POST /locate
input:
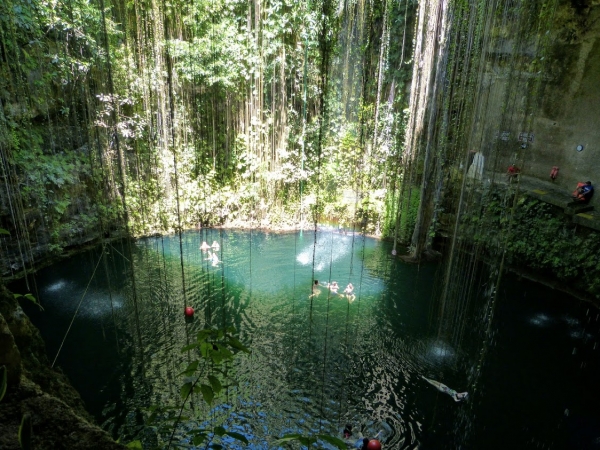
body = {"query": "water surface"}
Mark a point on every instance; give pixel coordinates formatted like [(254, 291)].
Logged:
[(320, 362)]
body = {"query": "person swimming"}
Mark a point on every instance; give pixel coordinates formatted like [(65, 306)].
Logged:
[(315, 289), (457, 396), (215, 259), (216, 246), (333, 287), (349, 289), (204, 246)]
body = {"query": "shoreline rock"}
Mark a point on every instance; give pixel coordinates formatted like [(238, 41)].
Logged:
[(58, 415)]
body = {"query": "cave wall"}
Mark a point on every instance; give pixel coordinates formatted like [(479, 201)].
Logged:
[(569, 112), (540, 98)]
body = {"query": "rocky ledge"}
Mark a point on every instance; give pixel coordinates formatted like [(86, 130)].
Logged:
[(59, 419)]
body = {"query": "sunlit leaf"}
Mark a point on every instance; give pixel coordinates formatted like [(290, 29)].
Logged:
[(207, 393), (135, 444), (205, 349), (288, 438)]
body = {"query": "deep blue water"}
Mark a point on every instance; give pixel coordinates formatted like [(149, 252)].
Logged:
[(319, 363)]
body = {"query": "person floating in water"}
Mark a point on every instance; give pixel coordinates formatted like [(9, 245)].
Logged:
[(457, 396), (333, 287), (349, 289), (584, 192), (216, 246), (204, 246), (215, 259), (315, 289)]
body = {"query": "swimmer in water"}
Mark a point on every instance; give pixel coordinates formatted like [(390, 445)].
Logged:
[(315, 289), (216, 246), (215, 259), (457, 396), (349, 289), (333, 287), (348, 293), (204, 246)]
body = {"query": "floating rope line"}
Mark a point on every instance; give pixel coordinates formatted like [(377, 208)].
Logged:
[(78, 306)]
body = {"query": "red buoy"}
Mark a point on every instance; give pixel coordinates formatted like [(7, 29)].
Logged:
[(374, 444), (189, 311)]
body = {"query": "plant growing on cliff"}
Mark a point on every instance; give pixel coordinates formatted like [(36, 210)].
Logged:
[(3, 382)]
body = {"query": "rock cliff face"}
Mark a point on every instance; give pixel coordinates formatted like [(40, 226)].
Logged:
[(58, 415)]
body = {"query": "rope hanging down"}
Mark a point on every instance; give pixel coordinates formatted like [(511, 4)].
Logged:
[(78, 306)]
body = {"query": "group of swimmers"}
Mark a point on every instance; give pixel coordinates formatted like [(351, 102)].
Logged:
[(211, 256), (334, 288)]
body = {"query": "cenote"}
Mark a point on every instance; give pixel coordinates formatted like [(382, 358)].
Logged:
[(319, 363)]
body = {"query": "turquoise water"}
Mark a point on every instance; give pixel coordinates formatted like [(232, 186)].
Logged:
[(320, 362)]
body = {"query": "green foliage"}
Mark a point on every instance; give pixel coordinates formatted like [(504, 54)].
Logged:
[(537, 237), (3, 382), (25, 432), (309, 441), (29, 297), (205, 374)]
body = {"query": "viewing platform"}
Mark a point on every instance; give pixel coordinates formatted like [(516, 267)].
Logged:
[(546, 191)]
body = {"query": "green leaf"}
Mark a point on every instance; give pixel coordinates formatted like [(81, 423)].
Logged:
[(219, 431), (226, 352), (199, 439), (185, 390), (215, 383), (203, 334), (30, 297), (189, 347), (191, 368), (3, 231), (207, 393), (238, 436), (25, 432), (333, 441), (308, 441), (3, 382), (17, 296), (216, 446), (235, 343), (288, 438), (205, 349), (135, 444)]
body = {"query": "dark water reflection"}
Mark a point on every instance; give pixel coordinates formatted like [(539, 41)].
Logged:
[(322, 362)]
